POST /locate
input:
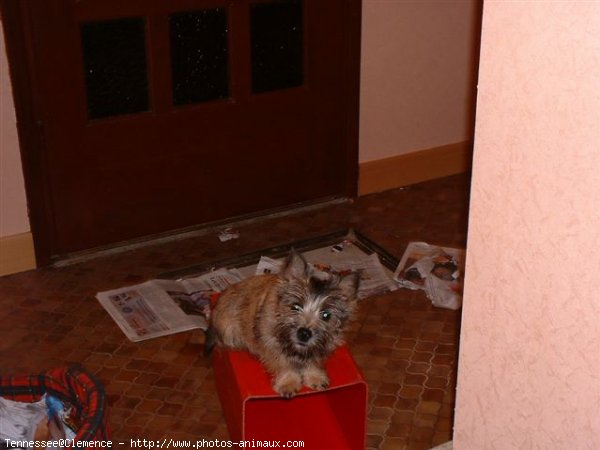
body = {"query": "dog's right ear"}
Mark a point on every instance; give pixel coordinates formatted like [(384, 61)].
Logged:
[(295, 266), (349, 284)]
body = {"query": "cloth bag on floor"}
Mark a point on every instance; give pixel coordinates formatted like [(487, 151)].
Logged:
[(74, 387)]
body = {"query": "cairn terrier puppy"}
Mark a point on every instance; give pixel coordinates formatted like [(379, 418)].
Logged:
[(291, 321)]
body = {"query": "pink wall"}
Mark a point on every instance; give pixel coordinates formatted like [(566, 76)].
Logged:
[(13, 209), (529, 366), (417, 75)]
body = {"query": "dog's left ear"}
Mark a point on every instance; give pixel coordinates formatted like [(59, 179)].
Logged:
[(349, 284), (295, 266)]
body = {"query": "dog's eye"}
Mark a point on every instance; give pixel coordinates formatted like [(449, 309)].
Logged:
[(296, 307), (325, 315)]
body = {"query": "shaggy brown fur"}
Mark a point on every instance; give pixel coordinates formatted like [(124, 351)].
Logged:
[(291, 321)]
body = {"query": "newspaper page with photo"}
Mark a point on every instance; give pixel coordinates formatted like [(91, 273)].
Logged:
[(439, 271), (162, 307)]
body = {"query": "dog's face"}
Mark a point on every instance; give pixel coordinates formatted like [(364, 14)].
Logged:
[(313, 308)]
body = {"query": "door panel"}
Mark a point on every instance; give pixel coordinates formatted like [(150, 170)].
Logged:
[(160, 115)]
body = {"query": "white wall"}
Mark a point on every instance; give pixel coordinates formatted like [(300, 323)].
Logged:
[(13, 205), (418, 66)]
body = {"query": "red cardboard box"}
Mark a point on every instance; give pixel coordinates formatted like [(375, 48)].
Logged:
[(334, 418)]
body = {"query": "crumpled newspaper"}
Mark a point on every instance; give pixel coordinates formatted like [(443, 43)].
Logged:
[(436, 270), (228, 234)]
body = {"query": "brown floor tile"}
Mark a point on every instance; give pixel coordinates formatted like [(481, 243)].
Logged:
[(406, 348)]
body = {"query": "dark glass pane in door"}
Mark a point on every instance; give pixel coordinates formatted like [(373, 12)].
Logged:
[(116, 75), (277, 45), (199, 56)]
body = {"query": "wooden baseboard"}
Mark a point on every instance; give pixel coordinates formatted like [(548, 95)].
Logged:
[(16, 253), (411, 168)]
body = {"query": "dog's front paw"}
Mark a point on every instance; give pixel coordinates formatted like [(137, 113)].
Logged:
[(316, 379), (287, 384)]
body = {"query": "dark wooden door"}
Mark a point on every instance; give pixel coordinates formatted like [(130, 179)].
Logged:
[(158, 115)]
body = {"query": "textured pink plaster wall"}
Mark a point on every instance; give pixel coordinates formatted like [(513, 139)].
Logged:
[(529, 366)]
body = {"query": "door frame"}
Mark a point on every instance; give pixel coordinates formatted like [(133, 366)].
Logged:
[(20, 52)]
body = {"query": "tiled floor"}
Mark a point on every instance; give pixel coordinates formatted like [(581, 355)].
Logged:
[(163, 387)]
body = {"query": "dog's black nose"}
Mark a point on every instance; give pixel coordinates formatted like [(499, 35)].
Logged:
[(304, 334)]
